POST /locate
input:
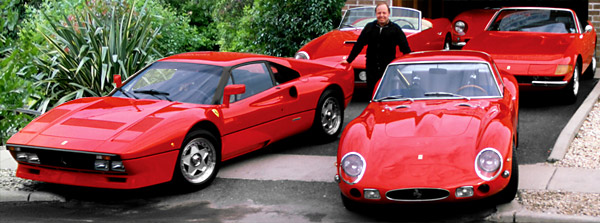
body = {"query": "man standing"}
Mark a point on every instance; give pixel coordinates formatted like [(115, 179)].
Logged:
[(382, 36)]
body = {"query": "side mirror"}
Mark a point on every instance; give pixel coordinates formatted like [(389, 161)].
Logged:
[(232, 90), (588, 28), (117, 80)]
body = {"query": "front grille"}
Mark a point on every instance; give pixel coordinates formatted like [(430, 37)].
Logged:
[(65, 159), (417, 194), (529, 79)]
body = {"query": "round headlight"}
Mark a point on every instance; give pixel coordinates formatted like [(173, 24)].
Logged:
[(488, 163), (353, 165), (302, 55), (460, 26)]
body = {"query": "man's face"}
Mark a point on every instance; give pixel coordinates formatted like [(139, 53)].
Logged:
[(382, 14)]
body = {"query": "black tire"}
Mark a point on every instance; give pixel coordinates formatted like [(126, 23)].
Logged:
[(199, 160), (351, 205), (591, 70), (510, 191), (329, 117), (571, 91)]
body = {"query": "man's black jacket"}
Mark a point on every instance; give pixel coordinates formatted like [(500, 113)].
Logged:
[(382, 43)]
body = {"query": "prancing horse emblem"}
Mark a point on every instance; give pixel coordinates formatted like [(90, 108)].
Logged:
[(417, 194)]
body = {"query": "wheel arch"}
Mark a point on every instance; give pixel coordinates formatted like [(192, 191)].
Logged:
[(210, 127)]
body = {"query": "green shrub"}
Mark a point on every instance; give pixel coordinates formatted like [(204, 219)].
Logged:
[(277, 28)]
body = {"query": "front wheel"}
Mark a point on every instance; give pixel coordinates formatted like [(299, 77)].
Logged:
[(510, 191), (329, 116), (571, 91), (198, 161)]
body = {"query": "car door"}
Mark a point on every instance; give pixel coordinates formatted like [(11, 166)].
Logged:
[(252, 119)]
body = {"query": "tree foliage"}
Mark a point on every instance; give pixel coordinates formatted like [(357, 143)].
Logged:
[(274, 27)]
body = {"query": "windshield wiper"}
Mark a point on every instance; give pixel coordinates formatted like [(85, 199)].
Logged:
[(393, 97), (347, 25), (126, 94), (154, 93), (442, 94)]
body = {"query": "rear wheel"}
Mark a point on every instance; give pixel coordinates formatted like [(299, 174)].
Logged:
[(198, 161), (329, 116)]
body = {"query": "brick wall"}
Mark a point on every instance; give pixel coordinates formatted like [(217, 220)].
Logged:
[(594, 17)]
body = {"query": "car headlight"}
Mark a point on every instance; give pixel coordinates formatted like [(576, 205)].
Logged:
[(353, 167), (488, 164), (460, 27), (302, 55), (109, 163)]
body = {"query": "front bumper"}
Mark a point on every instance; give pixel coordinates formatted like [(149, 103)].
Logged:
[(141, 172), (363, 192)]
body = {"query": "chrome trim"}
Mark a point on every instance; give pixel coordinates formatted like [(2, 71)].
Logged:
[(496, 77), (549, 83), (305, 54), (424, 200), (359, 177), (391, 9)]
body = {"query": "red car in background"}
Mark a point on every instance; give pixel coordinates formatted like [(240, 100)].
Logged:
[(180, 117), (441, 127), (544, 48), (468, 24), (422, 34)]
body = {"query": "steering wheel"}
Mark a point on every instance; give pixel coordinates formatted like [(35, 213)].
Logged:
[(405, 21), (479, 88)]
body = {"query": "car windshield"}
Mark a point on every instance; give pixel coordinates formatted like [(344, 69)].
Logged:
[(359, 17), (437, 80), (534, 20), (182, 82)]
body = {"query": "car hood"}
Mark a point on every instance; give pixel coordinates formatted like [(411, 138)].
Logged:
[(430, 143), (521, 45), (87, 124)]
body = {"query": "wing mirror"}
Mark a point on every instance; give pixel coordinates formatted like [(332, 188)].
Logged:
[(117, 80), (588, 28), (232, 90)]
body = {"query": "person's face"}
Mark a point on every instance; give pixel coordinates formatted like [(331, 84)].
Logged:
[(382, 14)]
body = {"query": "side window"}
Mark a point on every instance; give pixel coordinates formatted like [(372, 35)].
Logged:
[(283, 74), (256, 77)]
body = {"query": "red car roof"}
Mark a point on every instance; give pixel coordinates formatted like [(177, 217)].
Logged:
[(215, 58)]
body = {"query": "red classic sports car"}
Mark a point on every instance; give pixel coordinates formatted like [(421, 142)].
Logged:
[(441, 127), (468, 24), (422, 34), (544, 48), (180, 117)]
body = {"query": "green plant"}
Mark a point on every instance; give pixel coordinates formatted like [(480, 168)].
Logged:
[(91, 45), (13, 92), (278, 28)]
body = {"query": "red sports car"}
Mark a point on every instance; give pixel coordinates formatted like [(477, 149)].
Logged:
[(441, 127), (468, 24), (544, 48), (180, 117), (422, 34)]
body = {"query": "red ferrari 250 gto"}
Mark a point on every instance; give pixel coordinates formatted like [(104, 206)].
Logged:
[(180, 117), (441, 127)]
